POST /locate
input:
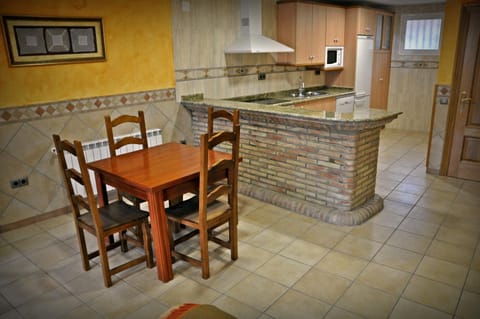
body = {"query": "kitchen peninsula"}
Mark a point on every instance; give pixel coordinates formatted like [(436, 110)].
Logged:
[(318, 163)]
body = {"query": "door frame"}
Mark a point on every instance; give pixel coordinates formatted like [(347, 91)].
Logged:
[(454, 93)]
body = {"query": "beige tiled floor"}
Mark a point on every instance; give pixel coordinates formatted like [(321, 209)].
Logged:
[(418, 258)]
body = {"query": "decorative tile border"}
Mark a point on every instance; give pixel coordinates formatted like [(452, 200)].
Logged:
[(221, 72), (41, 111), (414, 64)]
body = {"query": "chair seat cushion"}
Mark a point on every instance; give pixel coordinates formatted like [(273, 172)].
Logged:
[(116, 214), (188, 209), (196, 311)]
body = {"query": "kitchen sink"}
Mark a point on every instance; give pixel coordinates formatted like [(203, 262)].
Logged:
[(308, 94)]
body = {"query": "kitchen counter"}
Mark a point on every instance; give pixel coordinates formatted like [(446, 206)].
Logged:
[(321, 164), (290, 97)]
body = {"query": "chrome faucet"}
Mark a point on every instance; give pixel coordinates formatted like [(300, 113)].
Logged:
[(301, 86)]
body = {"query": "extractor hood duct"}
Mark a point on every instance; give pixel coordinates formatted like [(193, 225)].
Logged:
[(251, 39)]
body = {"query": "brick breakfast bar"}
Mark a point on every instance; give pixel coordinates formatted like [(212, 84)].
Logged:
[(320, 164)]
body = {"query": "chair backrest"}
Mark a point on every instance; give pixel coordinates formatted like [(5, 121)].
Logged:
[(126, 119), (233, 117), (220, 178), (78, 174)]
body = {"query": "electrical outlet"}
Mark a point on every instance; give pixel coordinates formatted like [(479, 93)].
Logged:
[(19, 182), (262, 76)]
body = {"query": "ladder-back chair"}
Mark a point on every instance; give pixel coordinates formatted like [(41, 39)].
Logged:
[(103, 222)]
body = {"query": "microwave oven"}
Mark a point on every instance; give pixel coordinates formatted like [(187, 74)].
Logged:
[(333, 57)]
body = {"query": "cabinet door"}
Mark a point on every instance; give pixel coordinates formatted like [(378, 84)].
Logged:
[(335, 28), (327, 104), (318, 34), (301, 26), (366, 21), (380, 79)]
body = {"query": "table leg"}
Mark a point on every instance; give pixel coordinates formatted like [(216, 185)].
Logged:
[(161, 243)]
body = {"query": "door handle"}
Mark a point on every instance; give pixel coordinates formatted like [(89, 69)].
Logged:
[(464, 100)]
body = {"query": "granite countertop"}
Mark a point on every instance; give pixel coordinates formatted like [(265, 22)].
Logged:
[(290, 97), (288, 111)]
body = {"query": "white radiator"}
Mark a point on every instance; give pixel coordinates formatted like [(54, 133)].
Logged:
[(96, 150)]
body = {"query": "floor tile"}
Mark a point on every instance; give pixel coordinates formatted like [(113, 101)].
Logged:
[(270, 240), (283, 270), (367, 302), (432, 293), (56, 303), (294, 304), (427, 215), (412, 310), (343, 265), (373, 231), (251, 257), (473, 282), (458, 236), (409, 241), (358, 247), (419, 227), (322, 285), (257, 292), (305, 252), (188, 291), (237, 308), (387, 279), (398, 258), (403, 197), (442, 271), (469, 306), (450, 252), (338, 313), (323, 236)]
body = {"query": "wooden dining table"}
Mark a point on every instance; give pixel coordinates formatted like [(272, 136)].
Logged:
[(155, 174)]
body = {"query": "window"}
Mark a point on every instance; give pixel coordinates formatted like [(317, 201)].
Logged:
[(421, 34)]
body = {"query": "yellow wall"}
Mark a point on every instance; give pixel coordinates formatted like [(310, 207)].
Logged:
[(451, 27), (139, 49)]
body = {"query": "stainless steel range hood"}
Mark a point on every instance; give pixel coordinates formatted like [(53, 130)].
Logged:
[(250, 39)]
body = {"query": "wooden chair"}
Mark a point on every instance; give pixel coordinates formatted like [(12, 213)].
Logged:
[(215, 205), (102, 222), (224, 115), (114, 146)]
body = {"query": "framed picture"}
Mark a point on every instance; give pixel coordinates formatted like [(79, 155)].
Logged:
[(35, 40)]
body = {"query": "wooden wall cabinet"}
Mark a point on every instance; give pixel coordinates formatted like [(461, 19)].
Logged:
[(335, 28), (327, 104), (367, 21), (301, 26), (381, 61)]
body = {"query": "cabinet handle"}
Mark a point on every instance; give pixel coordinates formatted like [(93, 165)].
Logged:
[(380, 79)]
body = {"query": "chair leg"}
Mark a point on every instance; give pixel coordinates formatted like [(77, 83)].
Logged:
[(204, 254), (147, 244), (107, 278), (233, 237), (123, 241), (83, 248)]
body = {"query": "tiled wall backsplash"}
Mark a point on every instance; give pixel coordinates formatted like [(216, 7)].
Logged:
[(413, 64), (222, 72), (26, 143)]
